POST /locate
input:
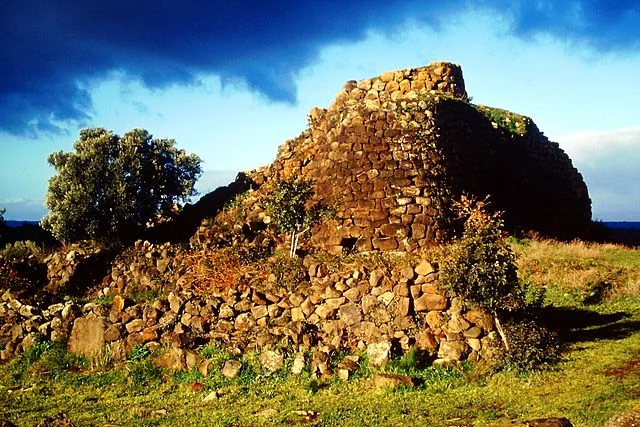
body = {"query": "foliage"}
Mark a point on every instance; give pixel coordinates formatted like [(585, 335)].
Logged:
[(289, 210), (138, 352), (112, 187), (510, 122), (481, 266), (287, 205), (218, 270), (20, 250), (3, 224), (104, 300), (289, 272)]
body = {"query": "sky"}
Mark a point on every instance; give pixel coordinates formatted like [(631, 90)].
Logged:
[(231, 81)]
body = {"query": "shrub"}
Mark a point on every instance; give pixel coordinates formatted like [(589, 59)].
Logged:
[(287, 205), (289, 272), (480, 266), (112, 187), (532, 346), (138, 352), (20, 250)]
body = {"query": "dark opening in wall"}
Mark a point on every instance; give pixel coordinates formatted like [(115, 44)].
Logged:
[(348, 244)]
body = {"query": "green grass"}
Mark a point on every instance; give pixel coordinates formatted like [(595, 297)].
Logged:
[(598, 376)]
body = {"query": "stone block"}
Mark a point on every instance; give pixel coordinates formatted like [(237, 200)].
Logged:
[(424, 268), (452, 350), (403, 306), (350, 313), (173, 359), (425, 340), (379, 353), (231, 369), (87, 336), (271, 361), (353, 294), (392, 381), (435, 319), (385, 244), (429, 302)]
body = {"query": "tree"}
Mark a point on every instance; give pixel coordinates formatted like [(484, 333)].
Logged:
[(289, 209), (112, 187)]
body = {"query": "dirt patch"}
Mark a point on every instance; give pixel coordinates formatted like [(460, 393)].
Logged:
[(631, 367)]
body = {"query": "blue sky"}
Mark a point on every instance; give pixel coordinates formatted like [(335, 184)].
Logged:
[(231, 81)]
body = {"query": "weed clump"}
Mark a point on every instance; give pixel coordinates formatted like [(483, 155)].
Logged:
[(289, 272)]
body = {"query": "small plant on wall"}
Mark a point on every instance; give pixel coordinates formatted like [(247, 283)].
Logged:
[(290, 212)]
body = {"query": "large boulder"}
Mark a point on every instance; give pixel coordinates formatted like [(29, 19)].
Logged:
[(87, 336)]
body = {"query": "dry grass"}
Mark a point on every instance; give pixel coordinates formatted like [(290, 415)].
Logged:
[(217, 271), (580, 266)]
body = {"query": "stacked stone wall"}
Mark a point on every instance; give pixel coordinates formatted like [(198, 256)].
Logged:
[(394, 152)]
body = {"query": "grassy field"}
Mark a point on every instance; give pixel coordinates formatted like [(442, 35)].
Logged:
[(593, 298)]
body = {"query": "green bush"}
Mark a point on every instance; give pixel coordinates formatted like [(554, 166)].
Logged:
[(138, 352), (480, 266), (287, 205), (289, 209)]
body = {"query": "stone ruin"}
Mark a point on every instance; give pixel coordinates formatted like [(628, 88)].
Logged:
[(391, 154)]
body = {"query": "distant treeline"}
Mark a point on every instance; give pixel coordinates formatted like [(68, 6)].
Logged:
[(25, 230), (627, 232)]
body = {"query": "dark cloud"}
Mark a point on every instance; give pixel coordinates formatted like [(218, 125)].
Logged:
[(52, 50)]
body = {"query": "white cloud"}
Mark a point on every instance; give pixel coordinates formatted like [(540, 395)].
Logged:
[(608, 161)]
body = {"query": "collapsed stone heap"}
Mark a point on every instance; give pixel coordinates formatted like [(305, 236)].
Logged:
[(151, 299)]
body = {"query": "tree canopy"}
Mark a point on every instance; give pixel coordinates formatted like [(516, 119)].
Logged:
[(112, 187)]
